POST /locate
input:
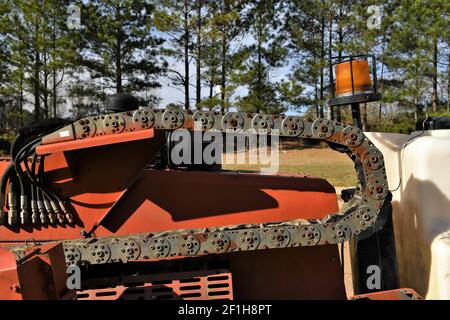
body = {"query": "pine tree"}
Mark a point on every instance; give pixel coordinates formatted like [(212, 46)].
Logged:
[(266, 53), (86, 98), (198, 21), (211, 54), (23, 24), (410, 55), (304, 27), (5, 94), (4, 49), (174, 19), (119, 48), (224, 28), (41, 51)]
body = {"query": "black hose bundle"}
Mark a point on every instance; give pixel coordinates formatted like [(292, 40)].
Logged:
[(3, 182), (13, 203), (28, 183)]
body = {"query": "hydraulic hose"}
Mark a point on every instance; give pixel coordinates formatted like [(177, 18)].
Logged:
[(3, 183), (13, 213)]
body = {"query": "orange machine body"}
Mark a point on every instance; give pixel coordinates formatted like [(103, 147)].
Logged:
[(113, 193)]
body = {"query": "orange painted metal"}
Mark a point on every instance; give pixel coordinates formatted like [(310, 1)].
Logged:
[(290, 273), (112, 192), (397, 294), (190, 199), (9, 277), (93, 179), (94, 142), (188, 285), (40, 275)]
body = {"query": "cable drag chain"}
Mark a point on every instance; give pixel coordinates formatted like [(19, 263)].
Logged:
[(358, 215)]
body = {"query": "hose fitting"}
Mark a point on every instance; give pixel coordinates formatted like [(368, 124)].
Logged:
[(58, 212), (42, 213), (24, 210), (34, 212), (50, 214), (13, 214), (67, 213)]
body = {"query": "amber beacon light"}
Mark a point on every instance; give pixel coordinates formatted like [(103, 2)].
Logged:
[(352, 78), (356, 82)]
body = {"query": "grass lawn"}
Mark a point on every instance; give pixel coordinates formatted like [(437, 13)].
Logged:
[(335, 167)]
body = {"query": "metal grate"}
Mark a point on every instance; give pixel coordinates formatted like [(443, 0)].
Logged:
[(183, 285)]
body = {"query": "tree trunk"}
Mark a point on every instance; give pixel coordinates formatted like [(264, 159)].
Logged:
[(36, 89), (259, 73), (223, 80), (341, 40), (448, 85), (380, 105), (45, 93), (316, 99), (322, 57), (199, 48), (186, 55), (211, 89), (330, 64), (316, 84), (223, 72), (435, 75), (21, 101), (417, 112), (118, 55), (46, 90), (119, 86), (54, 93), (364, 118), (211, 82)]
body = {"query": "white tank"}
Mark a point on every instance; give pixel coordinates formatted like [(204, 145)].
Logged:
[(418, 167)]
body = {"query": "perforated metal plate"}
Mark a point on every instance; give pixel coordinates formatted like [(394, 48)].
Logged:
[(201, 285)]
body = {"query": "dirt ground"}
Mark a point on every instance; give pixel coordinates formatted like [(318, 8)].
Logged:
[(347, 267), (335, 167)]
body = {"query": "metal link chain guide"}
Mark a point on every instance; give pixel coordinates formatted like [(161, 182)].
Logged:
[(356, 216)]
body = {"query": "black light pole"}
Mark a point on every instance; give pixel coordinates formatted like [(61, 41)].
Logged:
[(356, 115), (377, 249)]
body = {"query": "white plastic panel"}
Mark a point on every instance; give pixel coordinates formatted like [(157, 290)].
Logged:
[(419, 165)]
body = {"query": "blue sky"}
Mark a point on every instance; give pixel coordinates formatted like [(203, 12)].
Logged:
[(170, 94)]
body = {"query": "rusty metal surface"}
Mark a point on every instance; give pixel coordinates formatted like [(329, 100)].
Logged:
[(368, 199), (215, 199), (147, 205), (9, 277), (199, 285), (270, 274), (397, 294), (302, 273), (90, 143), (92, 179), (39, 275)]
